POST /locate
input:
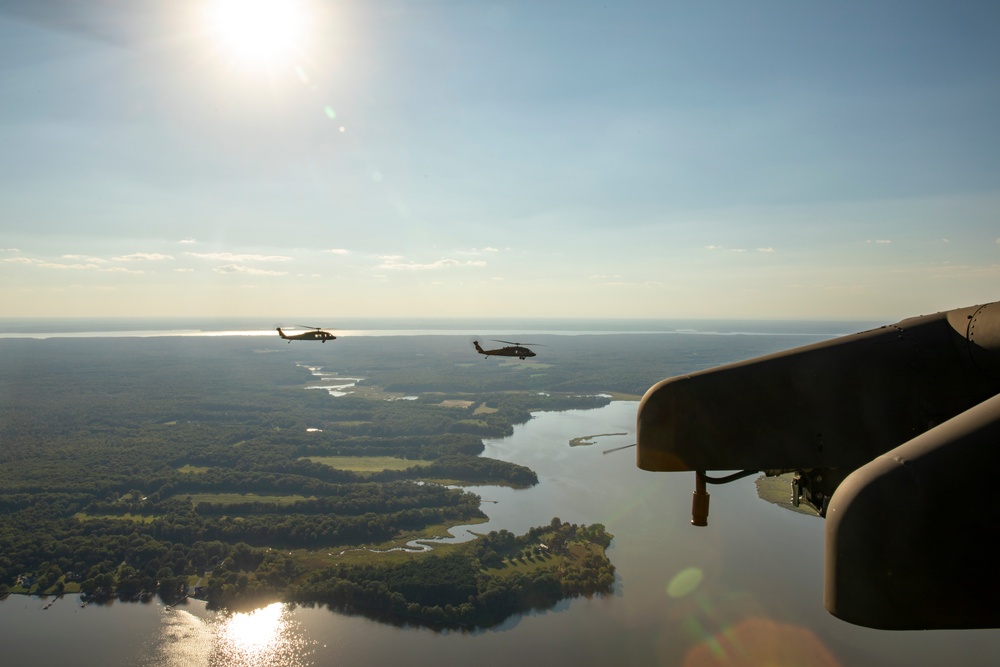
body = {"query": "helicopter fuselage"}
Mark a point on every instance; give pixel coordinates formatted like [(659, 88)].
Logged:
[(518, 351), (319, 335)]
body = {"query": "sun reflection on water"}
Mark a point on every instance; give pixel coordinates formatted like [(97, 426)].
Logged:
[(262, 637), (265, 637), (253, 631)]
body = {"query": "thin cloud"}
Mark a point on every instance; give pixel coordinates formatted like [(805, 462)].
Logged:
[(713, 248), (247, 270), (142, 256), (87, 267), (87, 258), (187, 241), (632, 285), (338, 251), (985, 272), (183, 270), (879, 241), (68, 267), (232, 257), (767, 249), (394, 265), (479, 251), (21, 260)]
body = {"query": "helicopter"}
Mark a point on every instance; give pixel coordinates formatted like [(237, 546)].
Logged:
[(316, 334), (514, 350)]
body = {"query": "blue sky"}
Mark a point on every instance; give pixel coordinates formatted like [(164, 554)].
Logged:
[(518, 159)]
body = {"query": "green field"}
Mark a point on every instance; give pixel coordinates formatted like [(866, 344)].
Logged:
[(367, 463), (238, 498), (138, 518)]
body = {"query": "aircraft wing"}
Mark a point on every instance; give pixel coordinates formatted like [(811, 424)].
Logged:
[(890, 432)]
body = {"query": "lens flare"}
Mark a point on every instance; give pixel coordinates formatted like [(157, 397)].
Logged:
[(684, 582), (756, 642), (258, 32)]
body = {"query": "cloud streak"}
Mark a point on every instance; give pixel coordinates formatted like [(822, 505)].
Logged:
[(68, 267), (86, 258), (142, 256), (240, 269), (234, 257), (393, 264)]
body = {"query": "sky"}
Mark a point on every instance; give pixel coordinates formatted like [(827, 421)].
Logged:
[(391, 158)]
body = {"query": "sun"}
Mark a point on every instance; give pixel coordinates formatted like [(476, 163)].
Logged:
[(259, 32)]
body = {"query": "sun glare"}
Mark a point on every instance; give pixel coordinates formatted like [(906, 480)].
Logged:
[(259, 32), (253, 632)]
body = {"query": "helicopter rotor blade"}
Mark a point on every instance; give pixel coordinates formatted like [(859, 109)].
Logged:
[(305, 327), (510, 342)]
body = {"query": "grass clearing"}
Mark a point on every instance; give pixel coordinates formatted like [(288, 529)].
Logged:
[(620, 396), (136, 518), (382, 553), (455, 403), (237, 498), (372, 392), (576, 552), (367, 463)]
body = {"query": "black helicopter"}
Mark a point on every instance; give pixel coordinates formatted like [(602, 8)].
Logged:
[(513, 350), (316, 334)]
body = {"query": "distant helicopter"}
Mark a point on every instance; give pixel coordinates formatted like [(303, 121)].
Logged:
[(316, 334), (514, 350)]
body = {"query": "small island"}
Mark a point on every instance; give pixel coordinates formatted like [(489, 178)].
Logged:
[(585, 440)]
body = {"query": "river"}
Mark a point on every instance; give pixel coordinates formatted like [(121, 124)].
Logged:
[(746, 590)]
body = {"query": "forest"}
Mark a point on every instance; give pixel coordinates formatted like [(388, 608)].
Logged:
[(221, 468), (478, 584)]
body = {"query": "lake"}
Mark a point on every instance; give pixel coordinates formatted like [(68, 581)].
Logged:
[(745, 590)]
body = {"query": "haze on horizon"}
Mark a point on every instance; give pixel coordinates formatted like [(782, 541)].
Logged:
[(385, 158)]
